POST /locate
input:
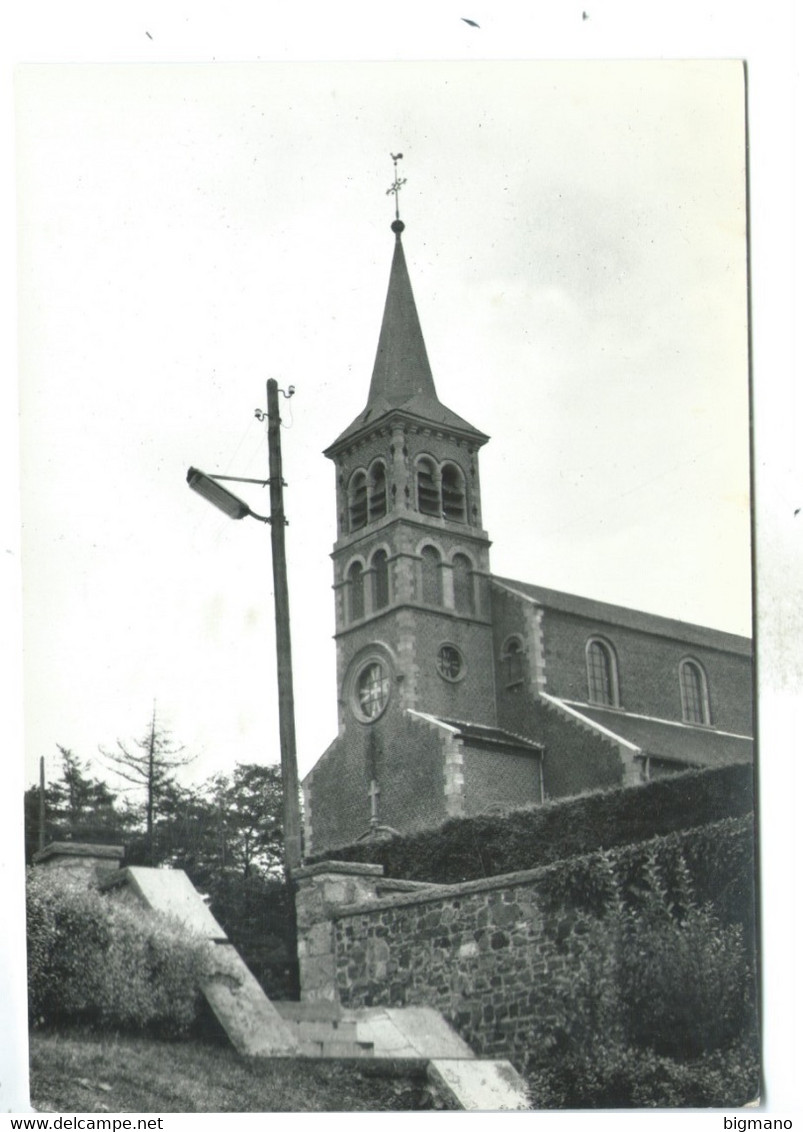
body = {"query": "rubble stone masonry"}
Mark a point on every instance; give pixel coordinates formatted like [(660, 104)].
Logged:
[(474, 951), (491, 955)]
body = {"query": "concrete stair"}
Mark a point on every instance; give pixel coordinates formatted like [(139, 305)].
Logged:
[(321, 1030)]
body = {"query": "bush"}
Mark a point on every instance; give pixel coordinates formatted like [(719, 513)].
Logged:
[(684, 976), (617, 1076), (92, 959), (651, 1001)]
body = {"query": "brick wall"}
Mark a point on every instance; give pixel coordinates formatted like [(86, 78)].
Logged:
[(647, 666), (499, 778), (407, 758), (575, 758)]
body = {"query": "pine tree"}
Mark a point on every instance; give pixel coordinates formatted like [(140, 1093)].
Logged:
[(150, 764)]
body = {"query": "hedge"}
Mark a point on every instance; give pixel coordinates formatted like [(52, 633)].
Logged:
[(492, 844), (94, 960), (653, 994)]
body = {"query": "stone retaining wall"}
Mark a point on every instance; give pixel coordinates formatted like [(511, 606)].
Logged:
[(491, 955), (478, 952)]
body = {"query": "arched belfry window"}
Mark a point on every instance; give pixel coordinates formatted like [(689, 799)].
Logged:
[(377, 492), (512, 662), (427, 487), (358, 501), (602, 678), (354, 592), (463, 578), (381, 580), (431, 580), (694, 693), (453, 488)]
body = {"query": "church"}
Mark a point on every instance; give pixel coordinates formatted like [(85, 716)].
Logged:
[(459, 691)]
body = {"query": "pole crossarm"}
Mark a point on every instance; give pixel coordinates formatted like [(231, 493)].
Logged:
[(238, 479)]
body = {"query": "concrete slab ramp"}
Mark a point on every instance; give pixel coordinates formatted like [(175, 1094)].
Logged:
[(171, 892), (251, 1021), (253, 1024), (480, 1085)]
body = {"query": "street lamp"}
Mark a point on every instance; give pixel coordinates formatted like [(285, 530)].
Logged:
[(226, 501), (209, 488)]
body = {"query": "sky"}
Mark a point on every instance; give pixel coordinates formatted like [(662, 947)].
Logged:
[(576, 238), (170, 248)]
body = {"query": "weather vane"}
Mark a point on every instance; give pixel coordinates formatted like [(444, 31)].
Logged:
[(397, 182)]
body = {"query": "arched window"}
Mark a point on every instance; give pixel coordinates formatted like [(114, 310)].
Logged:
[(694, 693), (381, 591), (356, 598), (453, 487), (601, 665), (512, 662), (378, 493), (431, 583), (358, 501), (427, 489), (463, 578)]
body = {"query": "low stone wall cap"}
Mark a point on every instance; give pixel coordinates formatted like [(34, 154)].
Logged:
[(78, 849), (344, 868)]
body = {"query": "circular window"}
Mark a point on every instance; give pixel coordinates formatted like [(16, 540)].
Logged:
[(371, 691), (450, 662)]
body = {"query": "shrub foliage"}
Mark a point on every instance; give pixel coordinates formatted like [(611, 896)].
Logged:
[(92, 959), (491, 844), (656, 1005)]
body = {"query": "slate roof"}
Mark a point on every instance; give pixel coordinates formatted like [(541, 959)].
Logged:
[(663, 739), (619, 615), (402, 379), (482, 733)]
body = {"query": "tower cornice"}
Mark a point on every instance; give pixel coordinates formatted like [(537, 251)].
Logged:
[(461, 532), (411, 423)]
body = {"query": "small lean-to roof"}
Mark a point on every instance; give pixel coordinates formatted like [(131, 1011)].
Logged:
[(704, 747), (482, 733), (620, 615), (402, 379)]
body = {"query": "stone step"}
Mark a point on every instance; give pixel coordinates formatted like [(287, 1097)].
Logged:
[(323, 1031), (336, 1049), (348, 1049), (309, 1011)]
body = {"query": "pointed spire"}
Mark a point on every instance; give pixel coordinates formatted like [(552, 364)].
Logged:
[(401, 369), (402, 377)]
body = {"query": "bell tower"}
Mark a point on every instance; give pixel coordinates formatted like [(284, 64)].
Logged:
[(411, 569)]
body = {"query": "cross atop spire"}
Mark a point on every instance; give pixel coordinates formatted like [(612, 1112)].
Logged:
[(397, 184)]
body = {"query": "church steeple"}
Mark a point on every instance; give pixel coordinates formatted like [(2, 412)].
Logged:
[(402, 378), (411, 571), (401, 370)]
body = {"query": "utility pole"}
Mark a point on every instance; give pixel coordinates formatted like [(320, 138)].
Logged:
[(284, 660), (41, 802)]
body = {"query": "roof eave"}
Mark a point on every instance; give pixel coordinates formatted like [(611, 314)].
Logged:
[(359, 429)]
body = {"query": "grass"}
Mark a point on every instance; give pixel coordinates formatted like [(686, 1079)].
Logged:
[(93, 1072)]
